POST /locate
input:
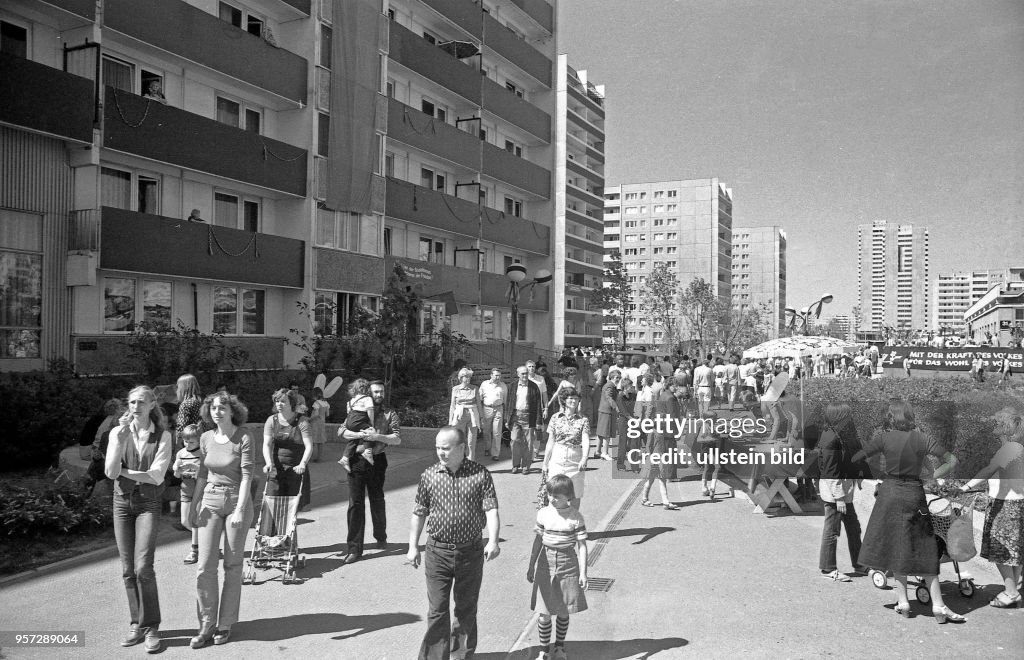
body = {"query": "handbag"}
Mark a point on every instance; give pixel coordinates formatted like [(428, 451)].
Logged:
[(506, 436), (960, 539)]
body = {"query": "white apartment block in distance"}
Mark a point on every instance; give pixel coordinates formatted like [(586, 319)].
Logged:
[(685, 224), (759, 271), (579, 207), (893, 277)]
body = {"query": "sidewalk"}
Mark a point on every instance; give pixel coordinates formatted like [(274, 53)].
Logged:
[(709, 580)]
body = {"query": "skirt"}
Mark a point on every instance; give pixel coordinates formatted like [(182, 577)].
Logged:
[(606, 424), (1002, 540), (899, 536), (557, 583), (566, 460), (285, 483)]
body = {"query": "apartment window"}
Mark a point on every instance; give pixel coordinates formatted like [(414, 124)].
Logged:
[(431, 250), (631, 197), (126, 190), (671, 236), (508, 261), (231, 14), (672, 249), (118, 74), (431, 39), (232, 112), (13, 41), (236, 308), (21, 284), (659, 208), (233, 211), (347, 231), (513, 148), (387, 240), (632, 210), (670, 264), (323, 134), (659, 237), (512, 87), (673, 193), (326, 37), (513, 207)]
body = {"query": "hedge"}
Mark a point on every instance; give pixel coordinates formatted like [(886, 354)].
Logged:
[(48, 409), (52, 507), (956, 411)]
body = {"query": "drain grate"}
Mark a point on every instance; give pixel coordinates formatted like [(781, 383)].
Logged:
[(599, 584)]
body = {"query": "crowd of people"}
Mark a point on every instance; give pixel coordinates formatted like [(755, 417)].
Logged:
[(562, 424)]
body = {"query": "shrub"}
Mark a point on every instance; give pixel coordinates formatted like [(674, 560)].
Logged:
[(49, 508), (956, 411), (48, 410)]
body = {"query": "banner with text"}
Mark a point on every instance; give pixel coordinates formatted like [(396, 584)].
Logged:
[(951, 359)]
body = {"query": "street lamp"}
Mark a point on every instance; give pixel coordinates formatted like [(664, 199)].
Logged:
[(516, 274), (805, 312)]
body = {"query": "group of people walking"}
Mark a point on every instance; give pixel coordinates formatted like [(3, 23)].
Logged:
[(899, 538), (209, 449), (213, 458)]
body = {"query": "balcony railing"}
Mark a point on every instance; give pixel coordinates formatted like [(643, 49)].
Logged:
[(41, 98), (147, 128), (195, 35)]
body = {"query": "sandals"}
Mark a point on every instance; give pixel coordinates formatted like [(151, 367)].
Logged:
[(1003, 601), (646, 502), (902, 610), (671, 507), (944, 614)]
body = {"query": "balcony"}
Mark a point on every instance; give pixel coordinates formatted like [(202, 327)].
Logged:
[(516, 50), (588, 101), (516, 110), (417, 54), (167, 134), (84, 8), (590, 195), (585, 124), (46, 100), (348, 271), (196, 36), (595, 178), (466, 15), (469, 286), (143, 243), (584, 218), (539, 10), (429, 208), (433, 136)]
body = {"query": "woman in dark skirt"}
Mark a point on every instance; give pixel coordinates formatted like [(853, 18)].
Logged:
[(899, 536), (287, 448), (607, 414)]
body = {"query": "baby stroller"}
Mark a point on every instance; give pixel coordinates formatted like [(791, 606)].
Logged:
[(276, 542), (943, 511)]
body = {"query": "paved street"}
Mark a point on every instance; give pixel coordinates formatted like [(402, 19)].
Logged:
[(709, 580)]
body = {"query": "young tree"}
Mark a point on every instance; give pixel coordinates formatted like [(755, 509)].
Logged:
[(699, 308), (742, 328), (615, 296), (658, 302)]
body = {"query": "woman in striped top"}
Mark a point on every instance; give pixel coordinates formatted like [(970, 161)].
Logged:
[(558, 566)]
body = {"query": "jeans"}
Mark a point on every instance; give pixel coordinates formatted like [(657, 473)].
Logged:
[(218, 608), (523, 437), (492, 425), (360, 484), (830, 535), (136, 520), (444, 568)]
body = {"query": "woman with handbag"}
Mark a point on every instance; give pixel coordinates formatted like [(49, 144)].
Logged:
[(1002, 540), (899, 537)]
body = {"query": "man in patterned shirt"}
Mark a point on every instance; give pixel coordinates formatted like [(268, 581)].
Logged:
[(456, 500)]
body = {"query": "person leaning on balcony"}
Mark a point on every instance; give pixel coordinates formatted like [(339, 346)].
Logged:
[(138, 453), (195, 216), (154, 91), (464, 410)]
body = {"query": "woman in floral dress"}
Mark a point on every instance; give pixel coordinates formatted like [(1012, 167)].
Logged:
[(568, 443)]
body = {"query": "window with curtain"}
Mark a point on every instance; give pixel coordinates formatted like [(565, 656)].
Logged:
[(116, 188), (13, 40), (156, 304), (118, 304), (228, 111), (225, 210), (149, 195), (324, 312), (21, 284), (254, 307), (118, 74), (225, 310)]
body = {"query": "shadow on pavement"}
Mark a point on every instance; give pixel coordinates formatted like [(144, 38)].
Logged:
[(640, 649), (646, 533), (289, 627)]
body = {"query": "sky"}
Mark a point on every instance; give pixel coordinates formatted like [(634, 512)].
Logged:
[(821, 115)]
